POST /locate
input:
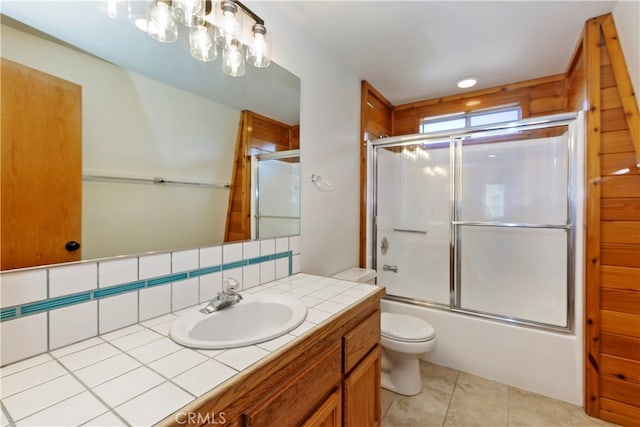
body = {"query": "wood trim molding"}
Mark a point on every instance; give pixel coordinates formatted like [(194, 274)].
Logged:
[(625, 88), (592, 223)]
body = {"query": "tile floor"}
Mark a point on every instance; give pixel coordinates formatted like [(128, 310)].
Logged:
[(453, 398)]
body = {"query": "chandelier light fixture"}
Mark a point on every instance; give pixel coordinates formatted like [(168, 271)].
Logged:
[(227, 26)]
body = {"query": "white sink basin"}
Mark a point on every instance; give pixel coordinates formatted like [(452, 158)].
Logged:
[(256, 318)]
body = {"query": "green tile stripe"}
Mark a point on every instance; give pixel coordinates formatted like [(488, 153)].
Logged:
[(167, 279), (8, 313), (67, 300), (50, 304), (116, 290)]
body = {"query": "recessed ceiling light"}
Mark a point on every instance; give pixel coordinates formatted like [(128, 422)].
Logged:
[(467, 82)]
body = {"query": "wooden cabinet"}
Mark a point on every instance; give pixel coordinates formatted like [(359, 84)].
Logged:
[(328, 378), (361, 406), (299, 397), (329, 414)]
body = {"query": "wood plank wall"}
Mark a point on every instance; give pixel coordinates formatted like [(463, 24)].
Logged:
[(257, 134), (597, 82), (612, 310)]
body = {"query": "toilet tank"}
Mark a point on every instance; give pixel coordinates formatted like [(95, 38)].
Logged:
[(355, 274)]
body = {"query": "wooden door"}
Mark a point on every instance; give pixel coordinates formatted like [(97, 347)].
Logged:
[(41, 168), (361, 391), (329, 414)]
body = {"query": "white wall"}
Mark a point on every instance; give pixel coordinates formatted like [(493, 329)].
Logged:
[(626, 15), (329, 134), (139, 127)]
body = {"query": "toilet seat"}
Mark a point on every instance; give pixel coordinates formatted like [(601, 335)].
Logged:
[(405, 328)]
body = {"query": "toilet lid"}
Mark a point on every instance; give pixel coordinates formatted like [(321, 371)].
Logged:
[(403, 327)]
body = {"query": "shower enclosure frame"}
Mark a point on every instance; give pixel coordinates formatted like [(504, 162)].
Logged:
[(573, 121), (256, 215)]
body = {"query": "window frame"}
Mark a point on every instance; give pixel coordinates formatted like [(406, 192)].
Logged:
[(467, 116)]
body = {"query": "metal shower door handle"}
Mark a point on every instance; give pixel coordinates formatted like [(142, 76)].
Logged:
[(393, 268)]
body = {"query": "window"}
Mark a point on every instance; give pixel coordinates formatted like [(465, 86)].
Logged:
[(475, 118)]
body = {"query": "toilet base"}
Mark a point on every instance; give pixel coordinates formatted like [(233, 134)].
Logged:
[(402, 375)]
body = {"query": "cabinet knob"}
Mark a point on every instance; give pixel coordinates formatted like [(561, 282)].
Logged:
[(72, 246)]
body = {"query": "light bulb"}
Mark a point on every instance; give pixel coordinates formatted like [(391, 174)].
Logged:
[(229, 26), (186, 11), (233, 60), (162, 26), (201, 44), (117, 9), (258, 53)]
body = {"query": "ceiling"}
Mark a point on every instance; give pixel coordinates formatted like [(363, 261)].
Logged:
[(415, 50)]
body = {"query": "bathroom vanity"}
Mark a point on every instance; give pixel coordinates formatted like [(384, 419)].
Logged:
[(325, 372), (327, 377)]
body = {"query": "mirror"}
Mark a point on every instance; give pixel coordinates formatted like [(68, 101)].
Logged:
[(151, 112)]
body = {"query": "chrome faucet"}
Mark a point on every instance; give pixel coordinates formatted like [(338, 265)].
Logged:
[(228, 297)]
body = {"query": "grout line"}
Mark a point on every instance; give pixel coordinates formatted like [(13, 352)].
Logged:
[(455, 386), (7, 415)]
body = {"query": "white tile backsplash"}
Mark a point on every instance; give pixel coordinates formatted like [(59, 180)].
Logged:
[(154, 265), (210, 256), (231, 252), (210, 285), (184, 260), (267, 272), (20, 288), (116, 272), (282, 268), (294, 244), (117, 312), (185, 293), (282, 244), (267, 247), (72, 324), (295, 264), (29, 335), (155, 301), (251, 249), (23, 337), (72, 279), (250, 276)]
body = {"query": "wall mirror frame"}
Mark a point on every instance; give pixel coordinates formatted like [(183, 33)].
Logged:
[(176, 124)]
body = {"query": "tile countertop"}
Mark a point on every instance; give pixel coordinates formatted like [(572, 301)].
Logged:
[(138, 376)]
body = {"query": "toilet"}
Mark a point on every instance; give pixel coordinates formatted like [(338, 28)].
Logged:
[(404, 339)]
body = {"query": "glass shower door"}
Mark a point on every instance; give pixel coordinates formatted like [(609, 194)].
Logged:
[(277, 195), (413, 220), (512, 225)]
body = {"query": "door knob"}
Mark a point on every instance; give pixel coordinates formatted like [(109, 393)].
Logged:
[(72, 246)]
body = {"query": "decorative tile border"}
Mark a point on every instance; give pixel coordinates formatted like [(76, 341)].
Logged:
[(10, 313)]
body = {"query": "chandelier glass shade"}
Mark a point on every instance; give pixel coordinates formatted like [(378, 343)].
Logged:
[(227, 27)]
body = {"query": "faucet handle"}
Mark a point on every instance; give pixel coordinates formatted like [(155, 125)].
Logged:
[(230, 285)]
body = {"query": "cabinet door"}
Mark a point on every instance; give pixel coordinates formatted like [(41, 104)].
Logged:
[(362, 392), (41, 183), (289, 405), (329, 414)]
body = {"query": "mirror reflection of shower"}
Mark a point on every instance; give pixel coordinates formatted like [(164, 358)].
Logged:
[(275, 186)]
